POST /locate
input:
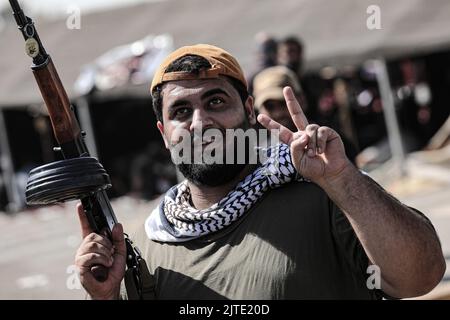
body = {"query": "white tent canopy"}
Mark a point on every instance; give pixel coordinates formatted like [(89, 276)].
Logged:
[(334, 33)]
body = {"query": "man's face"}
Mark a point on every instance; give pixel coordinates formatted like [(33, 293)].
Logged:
[(278, 111), (290, 56), (195, 106)]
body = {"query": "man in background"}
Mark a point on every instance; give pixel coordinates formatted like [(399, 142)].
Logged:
[(268, 94)]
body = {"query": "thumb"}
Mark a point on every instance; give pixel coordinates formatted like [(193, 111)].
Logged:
[(120, 253), (84, 222), (118, 240)]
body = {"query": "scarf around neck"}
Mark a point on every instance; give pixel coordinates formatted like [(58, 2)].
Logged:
[(175, 220)]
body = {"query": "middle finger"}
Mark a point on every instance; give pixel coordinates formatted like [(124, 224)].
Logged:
[(311, 131)]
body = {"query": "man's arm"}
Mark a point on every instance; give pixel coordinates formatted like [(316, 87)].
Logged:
[(401, 242)]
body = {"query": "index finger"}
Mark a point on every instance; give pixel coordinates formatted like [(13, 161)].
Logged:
[(284, 133), (84, 222), (298, 117)]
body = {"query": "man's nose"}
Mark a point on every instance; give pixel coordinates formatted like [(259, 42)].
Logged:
[(200, 120)]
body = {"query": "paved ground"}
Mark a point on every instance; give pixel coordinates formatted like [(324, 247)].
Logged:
[(37, 246), (37, 249)]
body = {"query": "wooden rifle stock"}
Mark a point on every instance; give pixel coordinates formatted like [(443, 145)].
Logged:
[(65, 125), (67, 132)]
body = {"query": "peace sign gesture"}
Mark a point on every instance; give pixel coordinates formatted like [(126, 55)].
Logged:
[(317, 152)]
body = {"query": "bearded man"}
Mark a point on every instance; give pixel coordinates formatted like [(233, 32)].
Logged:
[(302, 224)]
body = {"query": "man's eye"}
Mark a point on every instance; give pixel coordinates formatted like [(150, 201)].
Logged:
[(215, 101), (180, 112)]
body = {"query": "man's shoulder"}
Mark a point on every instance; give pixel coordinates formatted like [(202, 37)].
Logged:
[(299, 190)]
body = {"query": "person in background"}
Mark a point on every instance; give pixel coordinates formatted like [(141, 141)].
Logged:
[(290, 55), (265, 56), (268, 94)]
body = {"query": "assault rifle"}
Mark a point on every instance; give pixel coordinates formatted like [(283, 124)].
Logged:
[(78, 176)]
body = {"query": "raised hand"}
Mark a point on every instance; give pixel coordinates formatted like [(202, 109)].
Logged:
[(317, 152)]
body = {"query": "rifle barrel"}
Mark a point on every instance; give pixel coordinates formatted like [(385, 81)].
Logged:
[(20, 17), (15, 5)]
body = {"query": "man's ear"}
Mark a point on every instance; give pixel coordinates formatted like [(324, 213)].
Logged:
[(250, 110), (161, 130)]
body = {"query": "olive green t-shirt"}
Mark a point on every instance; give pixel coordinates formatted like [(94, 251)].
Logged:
[(295, 243)]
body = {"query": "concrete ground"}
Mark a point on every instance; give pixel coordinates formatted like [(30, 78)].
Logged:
[(38, 247)]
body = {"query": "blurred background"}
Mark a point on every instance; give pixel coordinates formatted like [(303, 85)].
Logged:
[(376, 71)]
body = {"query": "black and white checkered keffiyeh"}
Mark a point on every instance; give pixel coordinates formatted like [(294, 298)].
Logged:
[(175, 220)]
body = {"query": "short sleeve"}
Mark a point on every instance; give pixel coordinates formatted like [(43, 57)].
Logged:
[(349, 246), (347, 241)]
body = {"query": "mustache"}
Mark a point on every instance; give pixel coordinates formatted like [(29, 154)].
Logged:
[(206, 135), (198, 137)]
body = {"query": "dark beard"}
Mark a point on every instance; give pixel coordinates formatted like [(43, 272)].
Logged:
[(211, 175), (215, 174)]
